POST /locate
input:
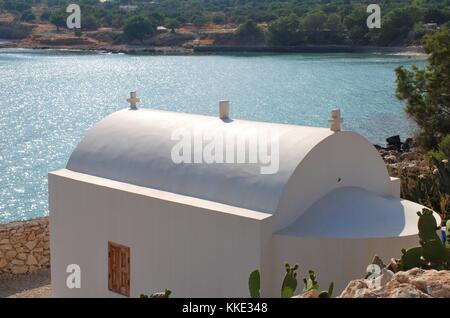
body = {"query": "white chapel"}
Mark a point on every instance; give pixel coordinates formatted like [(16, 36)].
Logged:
[(153, 200)]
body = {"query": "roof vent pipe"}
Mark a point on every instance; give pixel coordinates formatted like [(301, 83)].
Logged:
[(224, 109)]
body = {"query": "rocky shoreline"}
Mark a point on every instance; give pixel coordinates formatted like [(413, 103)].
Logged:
[(210, 49), (403, 157), (185, 41)]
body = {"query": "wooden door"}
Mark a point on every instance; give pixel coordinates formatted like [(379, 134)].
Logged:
[(119, 268)]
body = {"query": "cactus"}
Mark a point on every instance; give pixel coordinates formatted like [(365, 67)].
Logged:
[(289, 284), (443, 168), (328, 293), (254, 284), (165, 294), (431, 253), (310, 282), (411, 258)]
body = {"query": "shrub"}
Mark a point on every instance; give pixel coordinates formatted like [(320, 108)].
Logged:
[(138, 27)]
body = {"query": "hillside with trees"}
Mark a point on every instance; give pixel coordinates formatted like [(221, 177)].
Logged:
[(274, 22)]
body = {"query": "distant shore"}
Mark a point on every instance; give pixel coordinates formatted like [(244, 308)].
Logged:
[(209, 49)]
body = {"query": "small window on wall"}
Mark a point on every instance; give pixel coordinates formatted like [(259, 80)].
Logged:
[(119, 269)]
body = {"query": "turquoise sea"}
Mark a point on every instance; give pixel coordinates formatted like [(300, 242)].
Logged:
[(49, 99)]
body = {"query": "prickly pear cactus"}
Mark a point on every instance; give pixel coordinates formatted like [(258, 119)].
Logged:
[(433, 251), (310, 282), (411, 258), (431, 254), (254, 284), (427, 225), (289, 282), (165, 294), (443, 167), (327, 293)]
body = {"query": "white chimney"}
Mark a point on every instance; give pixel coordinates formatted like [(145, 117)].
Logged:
[(224, 109)]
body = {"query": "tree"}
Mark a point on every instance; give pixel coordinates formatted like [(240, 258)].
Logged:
[(314, 21), (334, 22), (28, 16), (249, 30), (427, 91), (45, 16), (396, 25), (89, 22), (58, 19), (138, 27), (355, 23), (172, 24), (285, 31), (435, 15)]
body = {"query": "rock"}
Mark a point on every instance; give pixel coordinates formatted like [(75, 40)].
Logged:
[(352, 288), (393, 265), (31, 260), (415, 283), (408, 156), (377, 147), (407, 291), (390, 159), (6, 247), (10, 255), (17, 262), (33, 269), (4, 241), (44, 261), (3, 263), (378, 261), (22, 256), (17, 270), (382, 280), (309, 294), (394, 141), (31, 244), (32, 236), (408, 144)]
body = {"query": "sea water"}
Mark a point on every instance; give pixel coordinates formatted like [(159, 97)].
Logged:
[(49, 99)]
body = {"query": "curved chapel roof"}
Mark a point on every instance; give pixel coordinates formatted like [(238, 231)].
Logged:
[(139, 147)]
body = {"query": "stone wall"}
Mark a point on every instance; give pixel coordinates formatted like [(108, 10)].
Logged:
[(24, 246)]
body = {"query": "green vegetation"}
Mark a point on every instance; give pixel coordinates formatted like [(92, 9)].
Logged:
[(58, 19), (249, 31), (427, 92), (432, 253), (138, 27), (305, 21), (289, 284), (311, 283), (165, 294), (172, 24), (28, 16)]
